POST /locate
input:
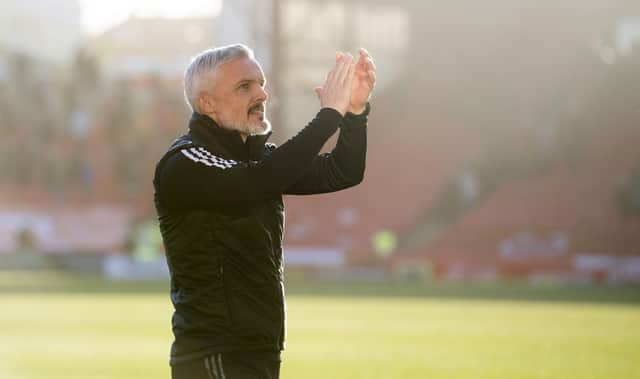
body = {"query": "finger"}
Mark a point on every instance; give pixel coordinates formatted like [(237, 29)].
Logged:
[(344, 69), (335, 73), (331, 74), (365, 56), (372, 77), (362, 53), (319, 91), (372, 66), (348, 59), (362, 63), (350, 73)]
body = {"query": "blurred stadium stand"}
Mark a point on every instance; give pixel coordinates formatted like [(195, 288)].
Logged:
[(502, 142)]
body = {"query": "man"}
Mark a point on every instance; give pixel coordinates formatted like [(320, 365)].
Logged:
[(218, 194)]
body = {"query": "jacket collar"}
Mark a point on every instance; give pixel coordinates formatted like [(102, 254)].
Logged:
[(208, 133)]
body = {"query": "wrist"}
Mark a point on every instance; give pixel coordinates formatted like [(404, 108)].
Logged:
[(341, 111), (360, 111), (357, 110)]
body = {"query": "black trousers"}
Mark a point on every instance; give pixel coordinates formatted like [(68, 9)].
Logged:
[(233, 365)]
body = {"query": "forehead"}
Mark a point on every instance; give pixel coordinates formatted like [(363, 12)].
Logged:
[(239, 69)]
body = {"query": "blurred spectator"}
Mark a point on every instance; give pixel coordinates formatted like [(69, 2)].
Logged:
[(629, 196)]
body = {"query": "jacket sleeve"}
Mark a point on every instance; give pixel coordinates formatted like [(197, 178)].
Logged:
[(343, 167), (195, 178)]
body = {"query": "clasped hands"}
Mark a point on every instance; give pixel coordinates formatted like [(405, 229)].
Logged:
[(349, 84)]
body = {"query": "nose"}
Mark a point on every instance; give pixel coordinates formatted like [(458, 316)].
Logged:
[(262, 95)]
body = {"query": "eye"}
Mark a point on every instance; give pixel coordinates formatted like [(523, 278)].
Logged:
[(244, 86)]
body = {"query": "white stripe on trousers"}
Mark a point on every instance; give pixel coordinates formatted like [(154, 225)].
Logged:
[(213, 364), (208, 368), (222, 376)]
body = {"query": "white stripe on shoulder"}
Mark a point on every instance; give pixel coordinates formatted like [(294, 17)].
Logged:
[(207, 153), (201, 155)]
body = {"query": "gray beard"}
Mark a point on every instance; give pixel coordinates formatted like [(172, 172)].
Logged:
[(266, 127), (251, 130)]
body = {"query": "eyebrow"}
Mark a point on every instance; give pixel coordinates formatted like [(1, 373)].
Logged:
[(262, 82)]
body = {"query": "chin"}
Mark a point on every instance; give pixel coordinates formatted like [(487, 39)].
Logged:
[(263, 128)]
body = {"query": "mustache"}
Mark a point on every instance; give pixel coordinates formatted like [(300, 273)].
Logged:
[(261, 106)]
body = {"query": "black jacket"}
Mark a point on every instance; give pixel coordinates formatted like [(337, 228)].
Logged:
[(219, 202)]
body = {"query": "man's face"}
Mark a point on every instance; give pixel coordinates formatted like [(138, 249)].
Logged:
[(238, 98)]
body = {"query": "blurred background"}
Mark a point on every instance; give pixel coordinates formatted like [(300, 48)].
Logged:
[(503, 139), (496, 233)]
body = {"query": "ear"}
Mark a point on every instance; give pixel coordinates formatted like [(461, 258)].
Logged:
[(206, 103)]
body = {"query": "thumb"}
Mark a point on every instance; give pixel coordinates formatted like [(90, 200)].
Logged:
[(319, 91)]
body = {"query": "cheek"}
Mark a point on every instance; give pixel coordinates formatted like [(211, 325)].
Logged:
[(240, 110), (235, 113)]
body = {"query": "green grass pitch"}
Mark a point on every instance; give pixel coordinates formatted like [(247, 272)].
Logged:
[(53, 327)]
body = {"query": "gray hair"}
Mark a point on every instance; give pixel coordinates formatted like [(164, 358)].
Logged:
[(204, 63)]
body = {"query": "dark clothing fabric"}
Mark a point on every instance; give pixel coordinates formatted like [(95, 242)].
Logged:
[(219, 203), (233, 365)]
